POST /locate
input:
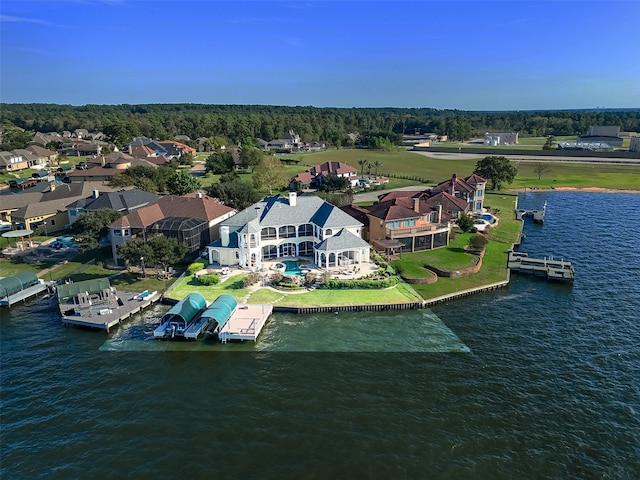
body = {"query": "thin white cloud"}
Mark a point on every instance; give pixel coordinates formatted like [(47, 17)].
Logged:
[(9, 18)]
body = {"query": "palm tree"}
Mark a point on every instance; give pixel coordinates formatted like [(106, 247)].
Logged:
[(377, 164), (363, 164)]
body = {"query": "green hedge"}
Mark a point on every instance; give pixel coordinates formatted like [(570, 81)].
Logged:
[(196, 266), (361, 284), (209, 279)]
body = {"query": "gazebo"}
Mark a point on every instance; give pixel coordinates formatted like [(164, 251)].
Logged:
[(20, 246)]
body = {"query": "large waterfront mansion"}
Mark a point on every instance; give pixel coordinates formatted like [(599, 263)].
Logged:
[(293, 226)]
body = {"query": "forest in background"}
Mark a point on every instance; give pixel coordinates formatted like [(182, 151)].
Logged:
[(332, 125)]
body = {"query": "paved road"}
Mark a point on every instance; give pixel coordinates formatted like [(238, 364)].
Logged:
[(529, 158), (373, 196)]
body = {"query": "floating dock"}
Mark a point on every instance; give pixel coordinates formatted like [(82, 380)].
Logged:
[(537, 215), (547, 267), (245, 323)]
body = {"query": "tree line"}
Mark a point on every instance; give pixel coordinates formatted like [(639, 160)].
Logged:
[(332, 125)]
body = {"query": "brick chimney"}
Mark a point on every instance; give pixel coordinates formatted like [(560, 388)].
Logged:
[(416, 205), (452, 184)]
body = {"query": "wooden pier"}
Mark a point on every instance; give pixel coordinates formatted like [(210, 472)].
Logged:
[(547, 267), (537, 215)]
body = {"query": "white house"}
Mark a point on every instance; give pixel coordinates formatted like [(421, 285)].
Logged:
[(280, 227), (500, 138)]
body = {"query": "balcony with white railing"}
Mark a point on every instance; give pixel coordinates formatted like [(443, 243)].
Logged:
[(404, 232)]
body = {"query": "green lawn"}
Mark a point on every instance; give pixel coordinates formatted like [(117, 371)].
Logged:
[(413, 165), (453, 257), (231, 286), (401, 293)]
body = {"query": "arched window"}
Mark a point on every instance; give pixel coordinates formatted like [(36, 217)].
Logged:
[(305, 249), (269, 251), (288, 250), (328, 232), (268, 233), (287, 231), (305, 230)]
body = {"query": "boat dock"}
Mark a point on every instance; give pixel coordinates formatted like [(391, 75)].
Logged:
[(245, 323), (537, 215), (547, 267), (96, 304), (27, 293)]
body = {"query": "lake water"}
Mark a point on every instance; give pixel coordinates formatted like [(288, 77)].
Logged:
[(539, 380)]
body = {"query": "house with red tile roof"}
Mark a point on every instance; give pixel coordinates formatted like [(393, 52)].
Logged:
[(193, 219), (314, 177), (413, 220), (411, 223), (471, 188)]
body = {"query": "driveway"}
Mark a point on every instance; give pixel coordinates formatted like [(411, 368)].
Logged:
[(373, 196)]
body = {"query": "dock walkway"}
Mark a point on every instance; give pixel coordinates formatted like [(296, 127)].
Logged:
[(547, 267), (246, 322), (537, 215)]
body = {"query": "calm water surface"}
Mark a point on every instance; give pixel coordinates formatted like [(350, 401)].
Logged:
[(539, 380)]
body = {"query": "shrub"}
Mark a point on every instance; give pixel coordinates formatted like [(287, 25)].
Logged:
[(196, 267), (209, 279), (289, 285), (277, 277), (251, 279), (465, 222), (363, 284), (310, 279), (477, 242)]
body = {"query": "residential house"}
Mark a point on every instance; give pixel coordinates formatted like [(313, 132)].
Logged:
[(81, 147), (33, 160), (193, 219), (104, 167), (290, 141), (281, 227), (472, 189), (12, 162), (315, 176), (410, 223), (124, 201), (33, 210), (50, 156), (46, 138), (500, 138)]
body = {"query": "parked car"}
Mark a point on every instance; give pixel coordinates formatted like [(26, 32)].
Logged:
[(481, 224)]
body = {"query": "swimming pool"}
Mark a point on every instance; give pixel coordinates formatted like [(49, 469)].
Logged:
[(66, 240), (292, 267), (488, 217)]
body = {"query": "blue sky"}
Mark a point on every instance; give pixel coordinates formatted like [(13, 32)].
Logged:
[(478, 55)]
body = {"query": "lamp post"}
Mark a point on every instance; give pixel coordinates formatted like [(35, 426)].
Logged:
[(142, 267), (45, 229)]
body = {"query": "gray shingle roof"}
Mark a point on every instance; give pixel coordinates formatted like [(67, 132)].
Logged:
[(124, 200), (343, 240), (276, 211)]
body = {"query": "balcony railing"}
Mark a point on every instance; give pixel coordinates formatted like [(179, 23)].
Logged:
[(414, 231)]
